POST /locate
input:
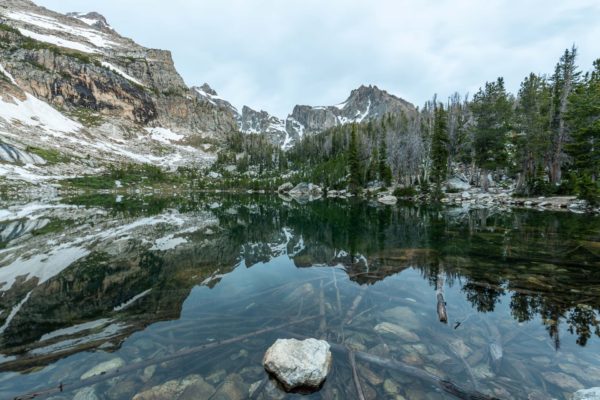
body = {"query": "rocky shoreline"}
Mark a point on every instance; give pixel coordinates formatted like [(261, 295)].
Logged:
[(469, 197)]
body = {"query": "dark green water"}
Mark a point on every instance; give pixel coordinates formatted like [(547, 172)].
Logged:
[(143, 282)]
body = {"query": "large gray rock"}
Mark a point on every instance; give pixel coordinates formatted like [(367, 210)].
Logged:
[(286, 187), (457, 184), (389, 200), (299, 363), (587, 394), (306, 189)]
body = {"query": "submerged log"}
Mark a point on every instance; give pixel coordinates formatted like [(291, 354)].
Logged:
[(495, 346), (78, 384), (357, 385), (444, 384), (441, 303)]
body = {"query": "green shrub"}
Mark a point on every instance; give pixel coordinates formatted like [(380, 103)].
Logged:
[(87, 117), (50, 155), (8, 28), (409, 191)]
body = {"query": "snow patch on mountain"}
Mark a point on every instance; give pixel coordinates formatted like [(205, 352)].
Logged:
[(120, 72), (55, 40), (7, 74), (164, 135), (51, 24), (36, 113)]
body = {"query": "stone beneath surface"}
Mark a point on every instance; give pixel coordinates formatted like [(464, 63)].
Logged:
[(397, 330), (563, 381), (587, 394), (299, 363), (104, 367), (191, 387)]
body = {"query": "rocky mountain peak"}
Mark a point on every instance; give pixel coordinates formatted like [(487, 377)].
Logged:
[(207, 89), (92, 18)]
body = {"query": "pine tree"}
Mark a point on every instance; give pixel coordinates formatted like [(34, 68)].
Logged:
[(439, 149), (372, 171), (385, 172), (564, 80), (355, 180), (532, 140), (492, 112), (583, 118)]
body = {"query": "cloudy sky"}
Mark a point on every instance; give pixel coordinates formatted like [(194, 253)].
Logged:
[(273, 54)]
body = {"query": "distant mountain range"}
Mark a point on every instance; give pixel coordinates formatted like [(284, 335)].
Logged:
[(71, 84)]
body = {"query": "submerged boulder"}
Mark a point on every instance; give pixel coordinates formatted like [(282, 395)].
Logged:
[(299, 363), (104, 367), (190, 387), (587, 394)]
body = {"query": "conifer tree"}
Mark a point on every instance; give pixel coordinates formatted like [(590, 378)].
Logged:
[(564, 80), (439, 149), (492, 111), (385, 172), (583, 117), (532, 141)]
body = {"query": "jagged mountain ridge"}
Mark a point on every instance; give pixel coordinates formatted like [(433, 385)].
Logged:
[(364, 104)]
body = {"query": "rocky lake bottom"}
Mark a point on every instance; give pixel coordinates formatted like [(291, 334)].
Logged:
[(105, 297)]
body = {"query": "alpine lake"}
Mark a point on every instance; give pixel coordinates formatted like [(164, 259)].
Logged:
[(117, 297)]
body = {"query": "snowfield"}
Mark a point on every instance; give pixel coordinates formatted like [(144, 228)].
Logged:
[(36, 113), (91, 36)]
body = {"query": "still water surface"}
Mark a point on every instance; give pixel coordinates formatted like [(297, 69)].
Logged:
[(152, 286)]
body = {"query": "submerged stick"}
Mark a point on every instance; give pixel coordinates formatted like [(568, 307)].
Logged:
[(337, 293), (441, 303), (355, 304), (323, 323), (357, 385), (443, 384), (143, 364)]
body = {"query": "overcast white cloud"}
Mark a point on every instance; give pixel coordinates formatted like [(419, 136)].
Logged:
[(273, 54)]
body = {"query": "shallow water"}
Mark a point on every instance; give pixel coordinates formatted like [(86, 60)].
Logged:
[(144, 283)]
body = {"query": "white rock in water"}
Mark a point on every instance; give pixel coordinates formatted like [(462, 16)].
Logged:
[(87, 393), (390, 200), (587, 394), (298, 363), (104, 367)]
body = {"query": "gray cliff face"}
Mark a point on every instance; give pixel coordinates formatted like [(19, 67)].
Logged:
[(77, 61), (364, 104), (252, 121)]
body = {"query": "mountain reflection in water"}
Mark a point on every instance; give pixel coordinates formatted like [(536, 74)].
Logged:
[(122, 275)]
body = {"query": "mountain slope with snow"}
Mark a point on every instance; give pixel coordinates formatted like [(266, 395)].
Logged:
[(72, 85)]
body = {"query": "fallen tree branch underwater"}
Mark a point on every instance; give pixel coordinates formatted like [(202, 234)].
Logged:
[(70, 386)]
